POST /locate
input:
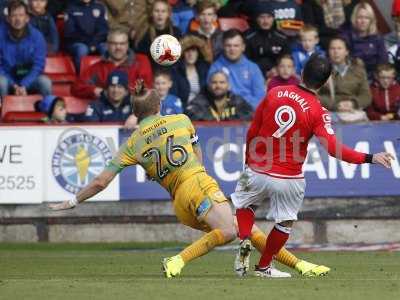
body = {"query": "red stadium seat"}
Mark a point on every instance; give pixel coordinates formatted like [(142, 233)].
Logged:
[(76, 105), (62, 88), (60, 69), (87, 61), (18, 104), (233, 23), (24, 116)]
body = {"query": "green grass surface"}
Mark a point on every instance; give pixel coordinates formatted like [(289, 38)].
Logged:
[(111, 271)]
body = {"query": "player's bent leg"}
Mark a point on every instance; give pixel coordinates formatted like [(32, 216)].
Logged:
[(219, 220)]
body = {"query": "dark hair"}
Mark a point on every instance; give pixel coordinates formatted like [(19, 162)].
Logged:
[(232, 33), (15, 4), (340, 38), (316, 71), (162, 73)]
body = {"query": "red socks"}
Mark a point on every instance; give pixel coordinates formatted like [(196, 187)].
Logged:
[(245, 219), (275, 241)]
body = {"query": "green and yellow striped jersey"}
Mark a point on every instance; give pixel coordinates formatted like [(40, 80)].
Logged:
[(163, 146)]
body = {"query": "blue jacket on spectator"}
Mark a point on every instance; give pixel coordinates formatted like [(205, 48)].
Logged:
[(171, 105), (85, 23), (300, 57), (245, 78), (22, 61), (370, 49), (46, 25), (103, 111), (181, 85)]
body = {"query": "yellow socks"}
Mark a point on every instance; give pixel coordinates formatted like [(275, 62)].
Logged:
[(259, 239), (203, 245)]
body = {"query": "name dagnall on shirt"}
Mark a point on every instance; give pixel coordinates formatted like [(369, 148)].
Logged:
[(296, 97)]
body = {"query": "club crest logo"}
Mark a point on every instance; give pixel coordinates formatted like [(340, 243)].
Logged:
[(78, 159), (96, 13)]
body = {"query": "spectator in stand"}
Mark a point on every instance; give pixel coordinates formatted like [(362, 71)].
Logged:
[(114, 104), (364, 40), (385, 95), (120, 14), (329, 16), (348, 81), (206, 26), (286, 73), (93, 81), (182, 13), (44, 22), (347, 111), (54, 108), (3, 11), (264, 44), (85, 30), (309, 45), (288, 17), (159, 23), (170, 104), (22, 54), (57, 7), (245, 77), (218, 103), (190, 73), (394, 50)]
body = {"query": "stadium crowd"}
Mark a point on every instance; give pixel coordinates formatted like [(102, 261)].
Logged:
[(77, 60)]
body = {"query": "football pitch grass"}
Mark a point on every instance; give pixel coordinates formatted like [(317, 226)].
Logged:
[(133, 271)]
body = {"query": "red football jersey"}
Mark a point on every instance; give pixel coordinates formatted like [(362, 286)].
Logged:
[(282, 127)]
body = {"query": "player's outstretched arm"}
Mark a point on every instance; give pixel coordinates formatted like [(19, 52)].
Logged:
[(93, 188)]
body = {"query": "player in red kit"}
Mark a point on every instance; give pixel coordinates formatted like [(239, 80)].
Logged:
[(277, 141)]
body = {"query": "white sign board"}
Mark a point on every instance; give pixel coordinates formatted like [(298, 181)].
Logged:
[(53, 163)]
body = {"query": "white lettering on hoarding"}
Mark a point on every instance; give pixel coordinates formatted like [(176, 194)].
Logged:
[(219, 162), (389, 147)]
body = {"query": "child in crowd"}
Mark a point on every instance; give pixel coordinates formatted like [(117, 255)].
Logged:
[(286, 73), (53, 107), (385, 94), (347, 111), (309, 44), (44, 22), (170, 104)]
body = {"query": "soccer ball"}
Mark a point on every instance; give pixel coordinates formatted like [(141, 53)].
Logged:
[(165, 50)]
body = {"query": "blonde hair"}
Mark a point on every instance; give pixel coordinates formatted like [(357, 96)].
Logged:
[(146, 102), (308, 28), (373, 28)]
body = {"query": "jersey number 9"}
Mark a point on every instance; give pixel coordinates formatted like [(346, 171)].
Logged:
[(284, 125)]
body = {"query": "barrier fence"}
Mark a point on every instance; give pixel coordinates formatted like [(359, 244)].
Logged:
[(43, 163)]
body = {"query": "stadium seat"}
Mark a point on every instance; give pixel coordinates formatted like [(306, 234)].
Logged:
[(76, 105), (18, 104), (62, 88), (24, 116), (60, 69), (233, 23), (87, 61)]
